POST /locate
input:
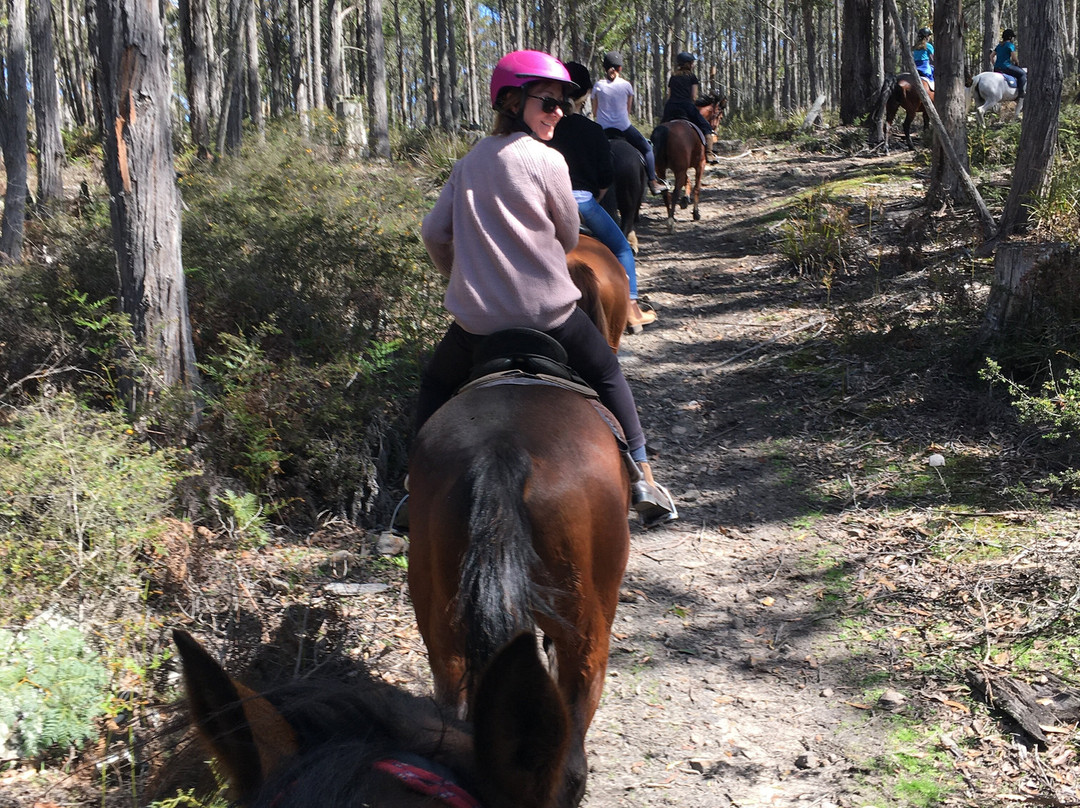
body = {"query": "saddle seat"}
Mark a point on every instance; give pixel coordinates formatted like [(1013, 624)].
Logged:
[(1010, 80), (525, 356)]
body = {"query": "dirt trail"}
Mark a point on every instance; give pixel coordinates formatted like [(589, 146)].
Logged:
[(728, 683)]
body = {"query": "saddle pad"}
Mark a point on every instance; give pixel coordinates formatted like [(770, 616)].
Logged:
[(520, 377)]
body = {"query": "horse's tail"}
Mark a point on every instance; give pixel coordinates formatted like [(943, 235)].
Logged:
[(975, 95), (659, 142), (884, 94), (592, 300), (497, 596)]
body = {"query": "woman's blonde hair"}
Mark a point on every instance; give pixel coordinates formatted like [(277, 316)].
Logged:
[(506, 116)]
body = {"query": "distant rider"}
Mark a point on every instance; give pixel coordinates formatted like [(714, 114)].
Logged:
[(923, 54), (1005, 61), (682, 93), (612, 102)]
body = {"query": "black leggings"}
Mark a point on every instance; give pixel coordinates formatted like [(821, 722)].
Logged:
[(589, 355), (674, 110)]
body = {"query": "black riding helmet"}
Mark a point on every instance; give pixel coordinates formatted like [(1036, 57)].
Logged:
[(612, 59), (925, 33), (1008, 34), (579, 74), (684, 58)]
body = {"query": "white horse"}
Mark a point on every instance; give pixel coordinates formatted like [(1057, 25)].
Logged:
[(988, 90)]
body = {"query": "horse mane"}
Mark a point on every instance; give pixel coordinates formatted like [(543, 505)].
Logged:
[(342, 729)]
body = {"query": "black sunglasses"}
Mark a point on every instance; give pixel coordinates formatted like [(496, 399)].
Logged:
[(549, 104)]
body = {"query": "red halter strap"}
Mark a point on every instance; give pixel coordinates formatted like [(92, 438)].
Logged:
[(428, 783)]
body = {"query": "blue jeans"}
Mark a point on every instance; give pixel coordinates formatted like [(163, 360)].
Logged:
[(608, 233)]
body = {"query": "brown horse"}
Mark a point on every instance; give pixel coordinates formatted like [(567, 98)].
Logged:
[(315, 744), (900, 91), (518, 507), (605, 289), (679, 146)]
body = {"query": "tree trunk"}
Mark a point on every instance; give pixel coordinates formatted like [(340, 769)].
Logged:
[(72, 64), (1042, 22), (254, 84), (335, 57), (46, 105), (13, 118), (296, 59), (380, 120), (991, 22), (473, 90), (950, 100), (318, 97), (810, 32), (442, 64), (856, 71), (194, 29), (134, 88)]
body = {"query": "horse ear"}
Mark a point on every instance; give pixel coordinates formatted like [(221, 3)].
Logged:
[(522, 726), (246, 734)]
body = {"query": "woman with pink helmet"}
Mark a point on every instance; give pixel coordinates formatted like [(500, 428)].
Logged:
[(500, 231)]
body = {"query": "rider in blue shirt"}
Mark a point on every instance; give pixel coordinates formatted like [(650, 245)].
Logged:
[(923, 54), (1005, 60)]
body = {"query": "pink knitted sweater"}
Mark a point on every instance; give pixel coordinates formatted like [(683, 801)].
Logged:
[(500, 231)]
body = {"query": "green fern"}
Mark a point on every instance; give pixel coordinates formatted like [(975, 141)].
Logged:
[(52, 689)]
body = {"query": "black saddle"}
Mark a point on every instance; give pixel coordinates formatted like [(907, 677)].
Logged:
[(525, 350)]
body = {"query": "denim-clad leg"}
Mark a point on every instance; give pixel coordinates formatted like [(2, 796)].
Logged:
[(609, 233)]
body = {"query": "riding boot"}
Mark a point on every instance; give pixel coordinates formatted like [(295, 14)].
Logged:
[(657, 187), (651, 500), (636, 319), (710, 149)]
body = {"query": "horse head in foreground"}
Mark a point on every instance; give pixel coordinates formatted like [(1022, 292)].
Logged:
[(312, 744)]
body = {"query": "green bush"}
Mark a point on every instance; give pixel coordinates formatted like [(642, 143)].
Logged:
[(52, 689), (815, 237), (313, 303), (324, 255), (79, 495), (58, 320)]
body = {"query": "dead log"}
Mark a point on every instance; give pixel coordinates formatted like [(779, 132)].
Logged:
[(1045, 703)]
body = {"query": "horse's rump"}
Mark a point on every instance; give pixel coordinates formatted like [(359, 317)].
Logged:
[(604, 287)]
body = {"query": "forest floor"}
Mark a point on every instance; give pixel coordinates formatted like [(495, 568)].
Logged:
[(808, 633)]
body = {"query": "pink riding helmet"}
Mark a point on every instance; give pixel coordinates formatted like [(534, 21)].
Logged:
[(518, 68)]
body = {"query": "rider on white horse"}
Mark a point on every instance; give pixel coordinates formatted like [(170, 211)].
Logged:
[(1005, 61)]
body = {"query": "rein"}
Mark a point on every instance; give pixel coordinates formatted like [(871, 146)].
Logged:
[(425, 777)]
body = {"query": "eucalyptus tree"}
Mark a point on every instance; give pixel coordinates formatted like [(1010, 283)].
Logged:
[(50, 144), (1043, 24), (13, 120), (134, 89)]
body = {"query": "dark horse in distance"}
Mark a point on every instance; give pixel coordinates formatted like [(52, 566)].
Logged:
[(900, 91)]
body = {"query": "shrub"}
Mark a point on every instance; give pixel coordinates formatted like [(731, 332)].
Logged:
[(814, 238), (52, 688), (313, 303), (322, 254), (78, 497)]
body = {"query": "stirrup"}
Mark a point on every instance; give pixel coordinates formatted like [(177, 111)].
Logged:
[(399, 522), (653, 503)]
